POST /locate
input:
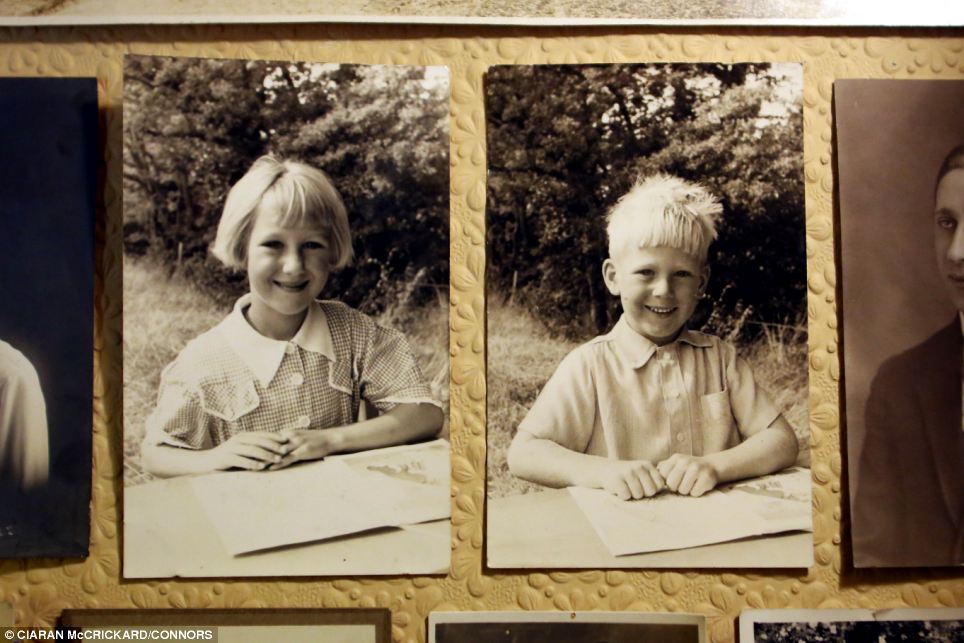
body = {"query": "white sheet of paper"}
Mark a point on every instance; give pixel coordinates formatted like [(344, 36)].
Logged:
[(766, 505), (252, 511), (427, 463)]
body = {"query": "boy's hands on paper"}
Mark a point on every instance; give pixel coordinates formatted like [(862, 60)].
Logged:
[(303, 445), (688, 475), (632, 479), (253, 451)]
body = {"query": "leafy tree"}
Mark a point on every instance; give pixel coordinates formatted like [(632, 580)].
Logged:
[(386, 153), (565, 142), (193, 127)]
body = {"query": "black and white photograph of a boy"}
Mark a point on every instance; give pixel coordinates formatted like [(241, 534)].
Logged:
[(251, 189), (702, 166), (48, 188)]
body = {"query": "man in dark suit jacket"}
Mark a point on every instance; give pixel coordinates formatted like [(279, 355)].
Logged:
[(909, 503), (909, 506)]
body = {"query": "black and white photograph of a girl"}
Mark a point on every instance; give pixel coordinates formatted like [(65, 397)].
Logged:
[(48, 182), (252, 191)]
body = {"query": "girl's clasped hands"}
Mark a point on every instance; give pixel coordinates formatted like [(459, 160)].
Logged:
[(266, 451)]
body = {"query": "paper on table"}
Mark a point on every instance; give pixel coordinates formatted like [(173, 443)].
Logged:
[(766, 505), (427, 463), (252, 511)]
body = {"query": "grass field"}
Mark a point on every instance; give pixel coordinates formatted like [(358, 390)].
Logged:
[(522, 354), (163, 312)]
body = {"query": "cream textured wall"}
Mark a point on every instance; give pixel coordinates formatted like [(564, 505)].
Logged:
[(40, 589)]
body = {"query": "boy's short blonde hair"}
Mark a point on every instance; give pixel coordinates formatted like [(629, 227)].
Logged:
[(664, 211), (300, 193)]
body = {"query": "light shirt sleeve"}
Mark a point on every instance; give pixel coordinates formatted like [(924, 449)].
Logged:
[(178, 419), (752, 407), (565, 410), (24, 457), (389, 373)]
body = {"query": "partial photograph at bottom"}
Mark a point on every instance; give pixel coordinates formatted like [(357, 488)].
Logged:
[(293, 625), (565, 627), (939, 625)]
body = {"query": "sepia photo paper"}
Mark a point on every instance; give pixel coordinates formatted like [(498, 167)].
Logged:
[(646, 314), (900, 159), (516, 12)]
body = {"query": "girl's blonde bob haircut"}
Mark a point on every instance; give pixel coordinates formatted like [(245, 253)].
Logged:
[(664, 211), (298, 193)]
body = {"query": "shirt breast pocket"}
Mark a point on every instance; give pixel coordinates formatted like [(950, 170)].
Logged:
[(719, 427), (229, 401)]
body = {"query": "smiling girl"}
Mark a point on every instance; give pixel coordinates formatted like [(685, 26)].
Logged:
[(282, 378)]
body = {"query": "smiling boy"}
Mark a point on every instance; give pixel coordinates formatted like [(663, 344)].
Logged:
[(653, 405)]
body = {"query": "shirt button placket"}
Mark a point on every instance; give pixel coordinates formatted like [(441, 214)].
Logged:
[(295, 381), (673, 398)]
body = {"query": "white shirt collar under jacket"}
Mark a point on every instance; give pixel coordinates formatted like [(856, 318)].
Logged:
[(263, 355)]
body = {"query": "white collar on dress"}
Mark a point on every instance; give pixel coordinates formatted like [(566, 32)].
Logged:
[(263, 355), (639, 349)]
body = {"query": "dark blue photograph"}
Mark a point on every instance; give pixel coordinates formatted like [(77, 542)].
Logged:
[(48, 184)]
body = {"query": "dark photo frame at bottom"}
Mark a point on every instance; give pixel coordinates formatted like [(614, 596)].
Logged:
[(372, 625), (565, 627)]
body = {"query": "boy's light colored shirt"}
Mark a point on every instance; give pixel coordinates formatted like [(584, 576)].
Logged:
[(232, 379), (620, 396)]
